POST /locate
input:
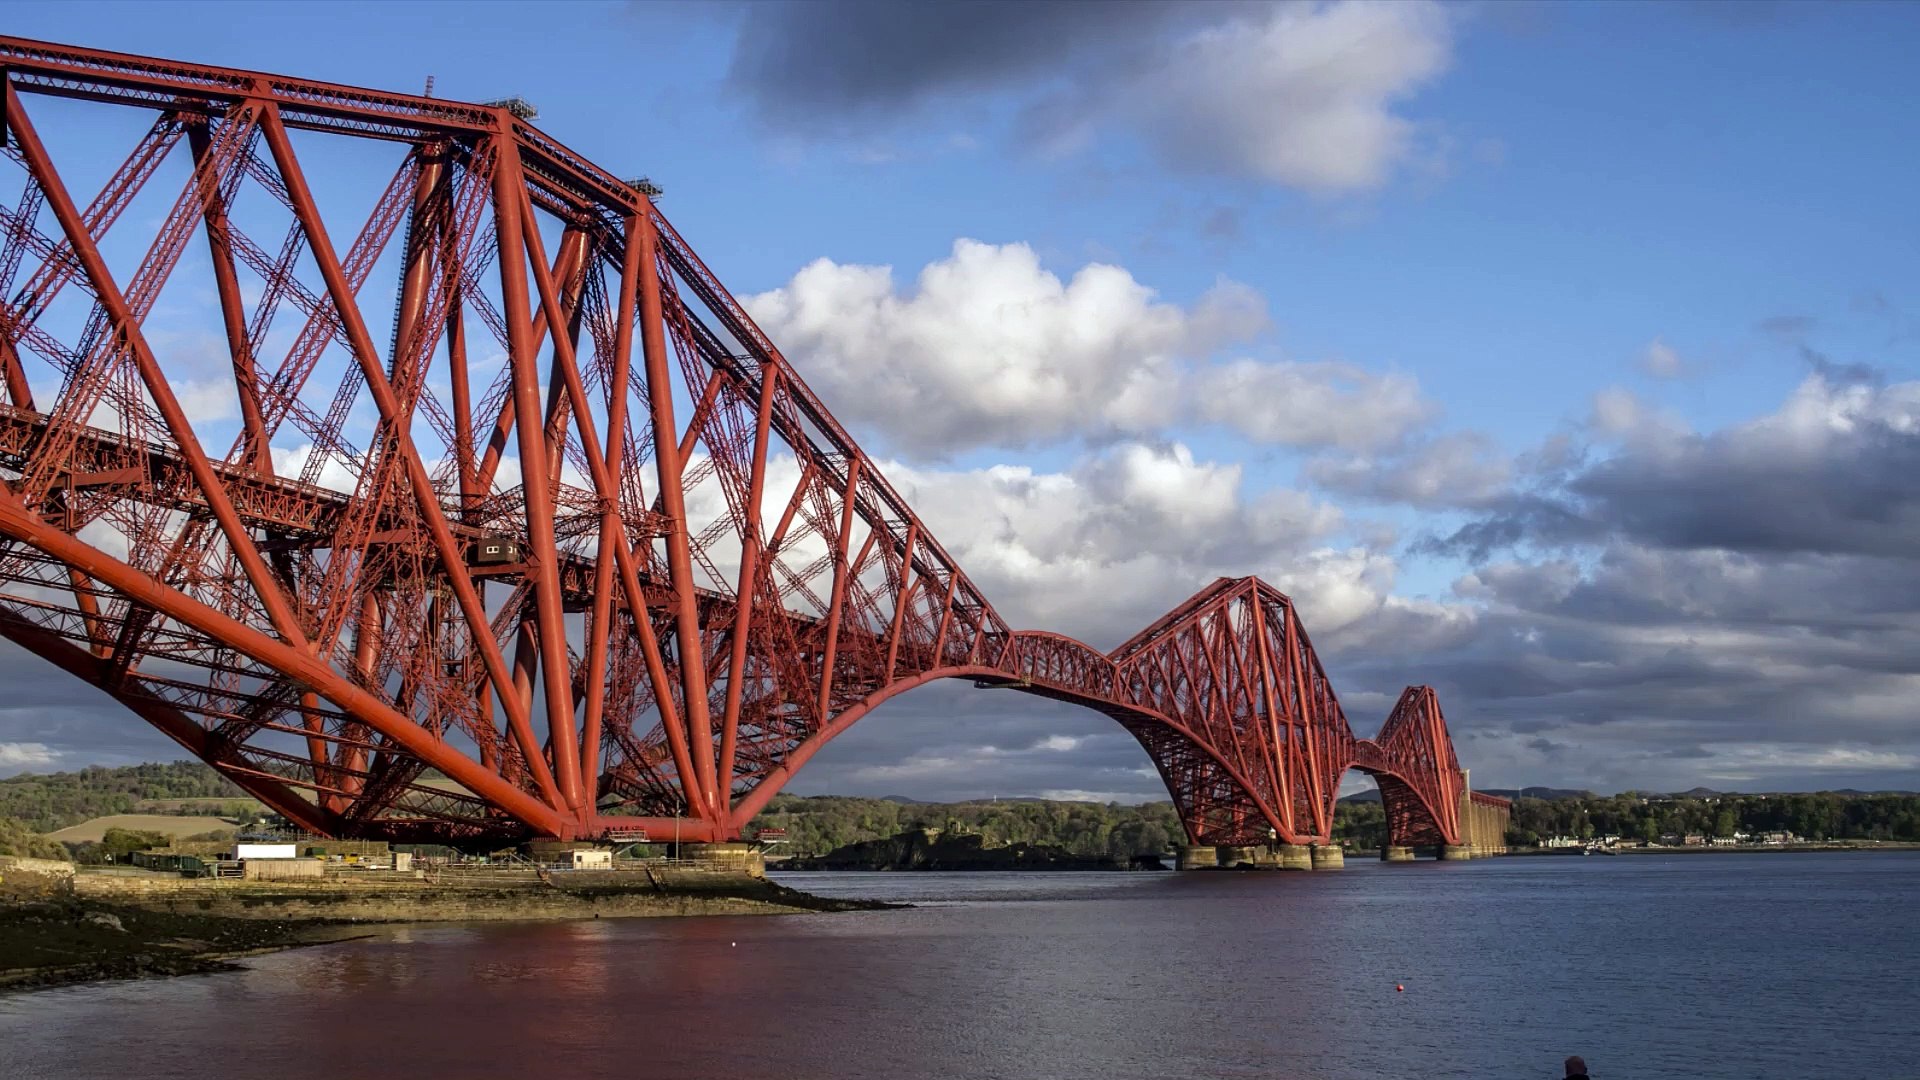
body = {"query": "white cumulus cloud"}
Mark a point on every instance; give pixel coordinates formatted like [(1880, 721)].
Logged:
[(1105, 547), (989, 348), (26, 755), (1302, 95), (1312, 404), (1661, 361)]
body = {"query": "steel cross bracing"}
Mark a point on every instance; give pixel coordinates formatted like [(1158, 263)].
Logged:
[(554, 543)]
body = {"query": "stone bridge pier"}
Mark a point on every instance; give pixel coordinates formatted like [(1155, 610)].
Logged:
[(1483, 827)]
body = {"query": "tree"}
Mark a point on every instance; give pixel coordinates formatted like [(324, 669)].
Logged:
[(123, 842), (55, 800), (1723, 823), (19, 841)]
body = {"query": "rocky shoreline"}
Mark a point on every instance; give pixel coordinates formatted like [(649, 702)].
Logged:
[(66, 940), (89, 929)]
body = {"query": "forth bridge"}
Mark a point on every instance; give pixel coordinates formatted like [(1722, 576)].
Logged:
[(627, 580)]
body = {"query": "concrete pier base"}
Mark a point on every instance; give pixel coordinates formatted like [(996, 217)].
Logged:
[(726, 856), (1452, 852), (1232, 856), (1396, 853), (1296, 857), (1328, 858), (1198, 857), (1265, 858)]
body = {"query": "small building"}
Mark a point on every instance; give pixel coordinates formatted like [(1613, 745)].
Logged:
[(281, 869), (570, 854), (1695, 840), (494, 550), (1725, 841), (164, 859)]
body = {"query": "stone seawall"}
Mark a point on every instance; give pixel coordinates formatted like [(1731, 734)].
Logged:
[(29, 879), (23, 865), (499, 896)]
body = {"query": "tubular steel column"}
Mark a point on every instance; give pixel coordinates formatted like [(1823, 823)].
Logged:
[(550, 617), (693, 674), (449, 550), (749, 588), (232, 308)]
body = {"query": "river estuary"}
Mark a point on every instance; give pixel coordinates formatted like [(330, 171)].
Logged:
[(1707, 967)]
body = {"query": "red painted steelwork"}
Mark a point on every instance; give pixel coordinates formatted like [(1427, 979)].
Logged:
[(414, 601)]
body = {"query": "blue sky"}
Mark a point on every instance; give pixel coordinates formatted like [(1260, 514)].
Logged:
[(1568, 274)]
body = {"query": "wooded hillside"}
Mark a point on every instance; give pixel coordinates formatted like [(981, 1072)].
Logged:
[(45, 802)]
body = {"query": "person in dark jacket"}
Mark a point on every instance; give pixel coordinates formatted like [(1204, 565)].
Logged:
[(1576, 1068)]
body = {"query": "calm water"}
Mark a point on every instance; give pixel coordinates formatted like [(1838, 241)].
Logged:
[(1702, 967)]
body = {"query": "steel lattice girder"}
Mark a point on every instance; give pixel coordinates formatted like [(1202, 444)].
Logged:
[(633, 578)]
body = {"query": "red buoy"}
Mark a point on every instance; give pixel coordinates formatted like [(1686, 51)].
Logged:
[(1399, 988)]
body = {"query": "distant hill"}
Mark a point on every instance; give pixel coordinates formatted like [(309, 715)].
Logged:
[(1372, 795), (1852, 793), (50, 801), (1551, 794)]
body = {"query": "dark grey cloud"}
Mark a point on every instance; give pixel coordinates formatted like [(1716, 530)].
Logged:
[(815, 63), (1462, 469), (1733, 607), (1839, 371), (1793, 327), (1837, 470), (1299, 94), (50, 720), (951, 742)]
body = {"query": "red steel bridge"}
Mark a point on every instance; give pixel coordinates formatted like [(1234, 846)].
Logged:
[(555, 542)]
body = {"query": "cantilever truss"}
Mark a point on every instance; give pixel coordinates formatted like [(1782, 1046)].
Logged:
[(556, 544)]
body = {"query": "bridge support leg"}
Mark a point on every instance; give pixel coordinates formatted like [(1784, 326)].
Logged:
[(1236, 857), (1451, 852), (1396, 853), (736, 857), (1328, 858), (1296, 857), (1198, 857)]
